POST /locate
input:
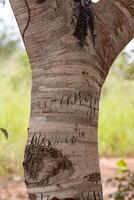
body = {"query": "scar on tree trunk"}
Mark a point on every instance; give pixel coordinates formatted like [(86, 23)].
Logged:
[(40, 148), (83, 20)]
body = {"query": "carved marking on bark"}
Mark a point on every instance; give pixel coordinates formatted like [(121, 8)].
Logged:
[(42, 104), (78, 137), (80, 132), (81, 97), (73, 140), (94, 177), (32, 196), (81, 102)]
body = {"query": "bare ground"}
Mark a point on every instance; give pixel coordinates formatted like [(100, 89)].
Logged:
[(15, 189)]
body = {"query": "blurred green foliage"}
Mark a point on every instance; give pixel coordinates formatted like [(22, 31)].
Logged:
[(125, 64), (116, 117), (15, 86), (8, 44), (14, 112)]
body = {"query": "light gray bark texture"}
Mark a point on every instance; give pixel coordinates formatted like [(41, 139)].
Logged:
[(71, 45)]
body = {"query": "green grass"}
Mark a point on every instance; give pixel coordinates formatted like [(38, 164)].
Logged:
[(14, 114), (116, 119)]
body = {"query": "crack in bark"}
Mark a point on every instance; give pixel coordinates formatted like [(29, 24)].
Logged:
[(28, 20), (29, 15)]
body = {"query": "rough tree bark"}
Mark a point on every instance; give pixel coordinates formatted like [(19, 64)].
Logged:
[(71, 45)]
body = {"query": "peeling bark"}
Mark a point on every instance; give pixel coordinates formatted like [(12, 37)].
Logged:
[(71, 45)]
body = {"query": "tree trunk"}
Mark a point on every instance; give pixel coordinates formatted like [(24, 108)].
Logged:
[(71, 46)]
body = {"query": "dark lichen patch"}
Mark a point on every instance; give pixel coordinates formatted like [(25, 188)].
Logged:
[(83, 20), (39, 156)]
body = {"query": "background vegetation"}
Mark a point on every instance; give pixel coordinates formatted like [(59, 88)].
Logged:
[(116, 119)]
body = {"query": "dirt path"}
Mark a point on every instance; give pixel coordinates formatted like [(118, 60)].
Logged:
[(15, 189), (109, 169)]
